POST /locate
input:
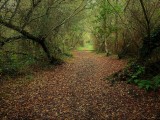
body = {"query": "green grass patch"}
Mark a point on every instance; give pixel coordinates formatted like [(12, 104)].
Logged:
[(86, 47)]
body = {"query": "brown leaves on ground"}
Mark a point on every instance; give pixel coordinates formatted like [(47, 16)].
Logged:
[(77, 90)]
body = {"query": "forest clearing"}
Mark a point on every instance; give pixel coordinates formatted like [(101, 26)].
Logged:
[(80, 59)]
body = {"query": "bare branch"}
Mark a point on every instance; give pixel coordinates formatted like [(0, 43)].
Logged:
[(19, 30), (47, 11), (3, 4), (128, 2), (75, 12), (15, 11), (148, 29), (116, 12), (137, 18), (144, 12), (27, 17), (156, 6)]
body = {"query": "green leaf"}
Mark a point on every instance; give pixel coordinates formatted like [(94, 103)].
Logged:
[(140, 85), (136, 81), (147, 87)]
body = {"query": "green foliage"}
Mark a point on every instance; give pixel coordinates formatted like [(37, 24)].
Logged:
[(156, 82), (148, 84), (137, 70), (106, 25), (135, 78), (12, 64), (87, 46), (8, 65), (67, 54)]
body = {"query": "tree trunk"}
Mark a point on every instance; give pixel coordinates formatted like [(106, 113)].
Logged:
[(106, 48), (116, 32), (149, 44), (40, 40), (146, 50), (104, 26), (46, 50)]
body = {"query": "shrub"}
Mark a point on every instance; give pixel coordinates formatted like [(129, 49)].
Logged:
[(152, 84), (136, 76), (12, 64)]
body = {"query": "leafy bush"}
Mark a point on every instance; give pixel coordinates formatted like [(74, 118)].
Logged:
[(152, 84), (136, 72), (146, 84), (156, 81), (136, 77), (12, 64)]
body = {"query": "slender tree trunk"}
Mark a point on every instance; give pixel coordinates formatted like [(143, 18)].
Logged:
[(105, 30), (27, 35), (145, 50), (116, 33)]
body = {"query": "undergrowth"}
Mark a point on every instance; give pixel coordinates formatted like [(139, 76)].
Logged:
[(145, 77), (14, 65)]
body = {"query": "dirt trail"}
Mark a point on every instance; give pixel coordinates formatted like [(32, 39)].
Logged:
[(76, 90)]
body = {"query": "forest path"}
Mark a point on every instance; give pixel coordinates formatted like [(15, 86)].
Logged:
[(74, 90)]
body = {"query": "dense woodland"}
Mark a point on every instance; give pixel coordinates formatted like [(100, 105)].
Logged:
[(45, 29), (46, 32), (38, 30)]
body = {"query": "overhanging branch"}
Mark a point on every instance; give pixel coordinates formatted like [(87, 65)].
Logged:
[(75, 12), (19, 30)]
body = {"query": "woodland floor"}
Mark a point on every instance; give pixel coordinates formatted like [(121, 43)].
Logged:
[(77, 90)]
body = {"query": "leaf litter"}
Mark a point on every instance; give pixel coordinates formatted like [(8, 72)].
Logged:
[(77, 90)]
